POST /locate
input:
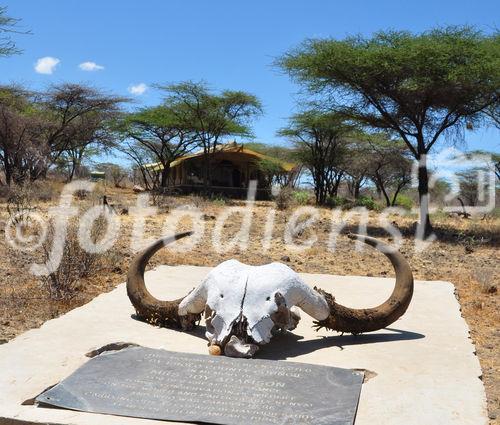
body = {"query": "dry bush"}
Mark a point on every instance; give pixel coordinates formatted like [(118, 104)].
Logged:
[(76, 263), (284, 198), (197, 201), (160, 200), (486, 280), (81, 194), (20, 203), (44, 191), (4, 192)]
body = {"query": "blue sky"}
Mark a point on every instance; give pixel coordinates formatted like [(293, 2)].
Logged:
[(229, 44)]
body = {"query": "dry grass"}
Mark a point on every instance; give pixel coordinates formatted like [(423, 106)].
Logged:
[(465, 254)]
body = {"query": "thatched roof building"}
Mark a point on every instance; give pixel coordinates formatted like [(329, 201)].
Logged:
[(232, 166)]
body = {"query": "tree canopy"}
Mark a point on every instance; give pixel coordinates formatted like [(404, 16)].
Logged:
[(212, 116), (416, 86), (158, 130), (8, 26), (320, 142)]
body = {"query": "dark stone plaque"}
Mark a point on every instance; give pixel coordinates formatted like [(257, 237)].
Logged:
[(157, 384)]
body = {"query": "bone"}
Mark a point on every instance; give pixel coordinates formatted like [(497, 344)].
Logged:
[(237, 348)]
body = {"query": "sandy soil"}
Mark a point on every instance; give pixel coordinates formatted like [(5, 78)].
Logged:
[(466, 253)]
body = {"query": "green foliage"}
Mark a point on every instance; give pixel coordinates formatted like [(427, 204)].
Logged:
[(269, 166), (417, 86), (219, 200), (7, 25), (210, 115), (336, 202), (320, 141), (367, 202), (443, 74), (283, 153), (302, 197), (404, 201)]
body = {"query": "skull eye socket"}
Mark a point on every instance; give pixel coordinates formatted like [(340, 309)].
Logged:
[(268, 298)]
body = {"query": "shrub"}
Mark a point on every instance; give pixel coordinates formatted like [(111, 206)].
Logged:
[(20, 203), (219, 200), (81, 194), (301, 197), (283, 198), (336, 201), (404, 201), (76, 263), (367, 202), (160, 199)]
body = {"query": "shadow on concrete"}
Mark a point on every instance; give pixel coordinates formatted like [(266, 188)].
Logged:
[(290, 345), (198, 331)]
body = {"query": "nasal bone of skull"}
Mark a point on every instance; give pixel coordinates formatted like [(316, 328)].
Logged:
[(235, 347)]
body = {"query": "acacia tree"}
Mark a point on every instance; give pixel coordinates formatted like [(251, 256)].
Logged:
[(390, 167), (113, 172), (416, 86), (21, 147), (358, 163), (141, 157), (78, 121), (8, 25), (320, 142), (161, 132), (271, 167), (212, 117)]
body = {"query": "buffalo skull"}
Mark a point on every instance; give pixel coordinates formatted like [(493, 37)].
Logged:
[(246, 305)]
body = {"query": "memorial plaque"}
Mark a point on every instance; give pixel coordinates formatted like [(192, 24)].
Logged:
[(157, 384)]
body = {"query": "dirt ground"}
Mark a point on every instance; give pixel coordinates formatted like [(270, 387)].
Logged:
[(466, 253)]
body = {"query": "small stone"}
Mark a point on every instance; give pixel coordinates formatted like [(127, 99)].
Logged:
[(214, 350)]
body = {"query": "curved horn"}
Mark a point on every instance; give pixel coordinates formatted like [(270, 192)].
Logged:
[(344, 319), (148, 308)]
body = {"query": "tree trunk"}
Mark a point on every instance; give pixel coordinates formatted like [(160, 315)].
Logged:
[(8, 174), (72, 171), (386, 197), (423, 196), (165, 173), (395, 196), (357, 187), (381, 189), (8, 177)]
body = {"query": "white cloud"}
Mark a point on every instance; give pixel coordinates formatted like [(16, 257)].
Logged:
[(90, 66), (46, 65), (137, 89)]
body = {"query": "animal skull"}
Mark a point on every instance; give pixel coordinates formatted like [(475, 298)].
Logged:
[(246, 305)]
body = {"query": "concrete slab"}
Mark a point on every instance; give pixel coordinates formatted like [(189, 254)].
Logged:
[(425, 370)]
